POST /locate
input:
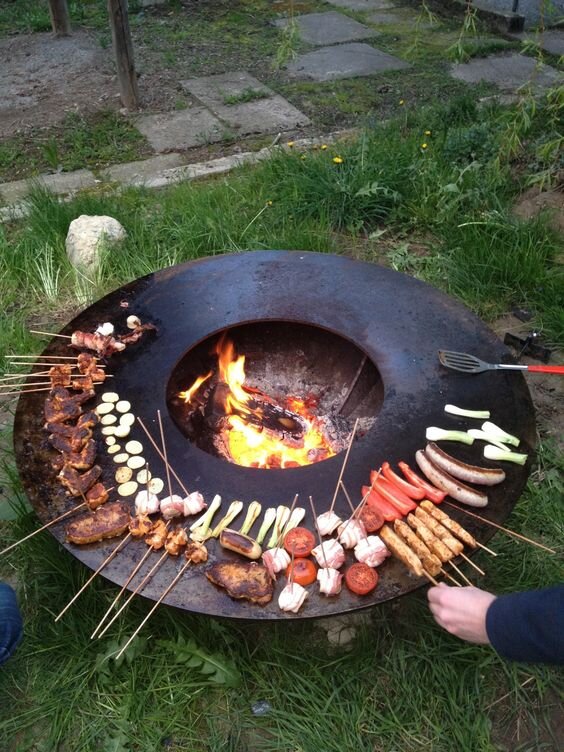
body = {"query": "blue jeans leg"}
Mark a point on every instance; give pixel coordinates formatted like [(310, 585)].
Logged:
[(11, 625)]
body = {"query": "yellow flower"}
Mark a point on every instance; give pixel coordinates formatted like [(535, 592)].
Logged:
[(269, 202), (423, 146), (427, 133), (338, 160), (290, 144), (303, 156), (323, 147), (402, 102)]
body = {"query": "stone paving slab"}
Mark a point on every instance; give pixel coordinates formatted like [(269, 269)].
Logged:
[(363, 4), (137, 173), (384, 18), (343, 61), (265, 115), (551, 40), (508, 72), (60, 183), (328, 28), (168, 131)]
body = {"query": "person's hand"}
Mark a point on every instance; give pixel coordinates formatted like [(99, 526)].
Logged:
[(461, 611)]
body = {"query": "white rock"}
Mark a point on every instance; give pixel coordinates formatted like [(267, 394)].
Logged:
[(86, 238)]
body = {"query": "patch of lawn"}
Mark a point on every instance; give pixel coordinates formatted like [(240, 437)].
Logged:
[(93, 141)]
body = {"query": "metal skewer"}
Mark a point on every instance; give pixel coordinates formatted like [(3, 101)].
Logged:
[(344, 465), (146, 619)]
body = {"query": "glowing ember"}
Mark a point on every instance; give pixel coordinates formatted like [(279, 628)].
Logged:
[(250, 441)]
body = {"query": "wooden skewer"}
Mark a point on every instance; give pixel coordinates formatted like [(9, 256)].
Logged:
[(137, 590), (44, 527), (48, 363), (318, 532), (450, 577), (158, 451), (146, 619), (59, 357), (280, 531), (50, 334), (353, 510), (107, 560), (363, 501), (27, 391), (503, 529), (460, 573), (430, 577), (476, 567), (163, 445), (33, 383), (344, 465)]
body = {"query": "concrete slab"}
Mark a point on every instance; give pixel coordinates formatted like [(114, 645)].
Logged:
[(550, 40), (138, 173), (508, 72), (363, 4), (385, 18), (343, 61), (266, 114), (60, 183), (328, 28), (534, 11), (171, 131)]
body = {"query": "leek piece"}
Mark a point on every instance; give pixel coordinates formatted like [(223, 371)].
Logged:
[(202, 525), (282, 514), (477, 433), (295, 518), (269, 517), (494, 453), (500, 434), (234, 509), (454, 410), (440, 434), (253, 512)]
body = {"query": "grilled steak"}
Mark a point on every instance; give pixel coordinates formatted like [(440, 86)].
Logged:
[(246, 580), (107, 521)]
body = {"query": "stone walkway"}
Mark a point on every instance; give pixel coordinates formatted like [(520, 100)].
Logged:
[(235, 105)]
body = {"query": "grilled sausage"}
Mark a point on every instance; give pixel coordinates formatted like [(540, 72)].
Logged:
[(452, 486), (486, 476), (451, 524), (439, 531), (436, 545), (241, 544), (399, 549), (431, 562)]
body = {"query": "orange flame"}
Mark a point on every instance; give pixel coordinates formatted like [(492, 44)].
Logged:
[(249, 444), (189, 393)]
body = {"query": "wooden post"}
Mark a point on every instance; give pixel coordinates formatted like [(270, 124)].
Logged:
[(123, 50), (60, 19)]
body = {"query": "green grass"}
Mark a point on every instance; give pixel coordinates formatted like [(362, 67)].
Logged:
[(247, 95)]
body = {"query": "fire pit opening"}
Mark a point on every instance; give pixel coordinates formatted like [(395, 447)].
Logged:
[(274, 394)]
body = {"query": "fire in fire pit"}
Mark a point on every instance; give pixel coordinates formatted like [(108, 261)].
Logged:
[(274, 395)]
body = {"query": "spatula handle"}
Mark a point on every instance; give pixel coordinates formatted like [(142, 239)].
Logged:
[(547, 369)]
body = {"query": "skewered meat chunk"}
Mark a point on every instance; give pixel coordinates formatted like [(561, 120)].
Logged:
[(60, 375), (329, 581), (140, 525), (157, 537), (246, 580), (61, 406), (432, 563), (172, 506), (77, 483), (292, 597), (193, 503), (275, 560), (146, 502), (350, 532), (430, 539), (401, 550), (330, 553), (86, 362), (371, 551), (88, 419), (97, 495), (84, 459), (196, 552), (105, 345), (108, 521), (75, 436), (136, 334), (451, 524), (328, 522), (82, 382), (175, 541), (441, 532)]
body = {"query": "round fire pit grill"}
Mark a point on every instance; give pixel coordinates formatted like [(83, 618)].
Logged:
[(398, 322)]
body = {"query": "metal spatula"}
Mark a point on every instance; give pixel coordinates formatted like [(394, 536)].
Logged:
[(471, 364)]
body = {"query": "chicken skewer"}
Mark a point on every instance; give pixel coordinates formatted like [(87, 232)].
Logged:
[(430, 561), (344, 466), (436, 545), (404, 553), (445, 535)]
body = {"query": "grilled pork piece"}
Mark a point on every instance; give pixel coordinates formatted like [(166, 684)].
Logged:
[(61, 406), (140, 525), (77, 483), (76, 436), (104, 345), (60, 375), (82, 382), (84, 459), (108, 521), (157, 537), (196, 552), (88, 419), (136, 334), (246, 580), (97, 495), (175, 541)]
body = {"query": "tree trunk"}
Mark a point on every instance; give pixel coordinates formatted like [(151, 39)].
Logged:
[(123, 50), (60, 19)]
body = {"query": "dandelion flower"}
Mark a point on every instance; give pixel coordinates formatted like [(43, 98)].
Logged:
[(323, 147), (424, 146), (303, 156), (427, 133), (338, 160), (290, 143), (269, 202), (402, 102)]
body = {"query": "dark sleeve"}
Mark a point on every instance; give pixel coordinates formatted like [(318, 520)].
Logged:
[(528, 626)]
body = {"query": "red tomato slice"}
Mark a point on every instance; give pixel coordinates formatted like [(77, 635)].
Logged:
[(375, 501), (394, 496), (431, 493), (299, 541), (414, 492), (372, 518), (361, 579), (304, 572)]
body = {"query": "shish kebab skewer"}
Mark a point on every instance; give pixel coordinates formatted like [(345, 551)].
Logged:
[(344, 465), (445, 534), (329, 578), (437, 546)]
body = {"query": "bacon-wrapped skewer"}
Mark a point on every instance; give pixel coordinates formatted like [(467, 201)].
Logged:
[(330, 581), (328, 522), (351, 532), (292, 597), (330, 553), (275, 560), (371, 550)]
